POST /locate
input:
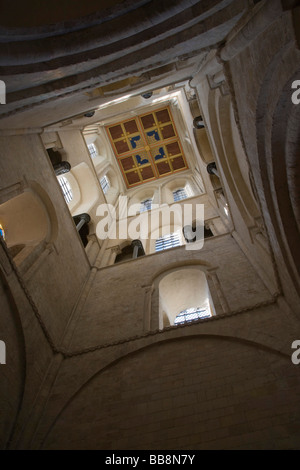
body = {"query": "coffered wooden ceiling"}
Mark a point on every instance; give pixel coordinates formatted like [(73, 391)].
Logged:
[(147, 147)]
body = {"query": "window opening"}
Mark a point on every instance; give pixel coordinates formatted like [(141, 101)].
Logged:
[(168, 241), (191, 314), (146, 205), (66, 189), (179, 194), (93, 150), (105, 184)]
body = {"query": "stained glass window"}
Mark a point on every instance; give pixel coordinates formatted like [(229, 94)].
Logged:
[(2, 233)]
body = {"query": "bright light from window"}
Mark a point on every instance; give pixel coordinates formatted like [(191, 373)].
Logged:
[(191, 314), (93, 150), (66, 189), (189, 190), (226, 210), (146, 205), (105, 184), (179, 194), (168, 241)]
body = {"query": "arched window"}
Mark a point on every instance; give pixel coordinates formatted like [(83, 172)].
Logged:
[(183, 193), (80, 189), (168, 241), (105, 183), (191, 314), (28, 224), (184, 297), (66, 189), (93, 150), (146, 205), (179, 194)]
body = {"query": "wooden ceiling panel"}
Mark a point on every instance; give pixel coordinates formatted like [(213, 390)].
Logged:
[(147, 147)]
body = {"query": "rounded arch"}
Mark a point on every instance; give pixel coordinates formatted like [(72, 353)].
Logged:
[(98, 139), (234, 164), (203, 145), (12, 333), (217, 297), (29, 221), (140, 195), (29, 218), (84, 187), (178, 182), (51, 211), (196, 264), (227, 143), (114, 183), (262, 343), (278, 155), (164, 221), (285, 145), (181, 290)]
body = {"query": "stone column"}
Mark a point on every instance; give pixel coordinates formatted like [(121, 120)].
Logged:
[(147, 308), (92, 248), (114, 252), (222, 299)]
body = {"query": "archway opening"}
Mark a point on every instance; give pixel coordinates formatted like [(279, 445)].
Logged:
[(184, 297)]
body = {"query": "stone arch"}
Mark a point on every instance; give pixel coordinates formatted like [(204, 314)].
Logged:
[(176, 183), (231, 165), (216, 297), (183, 289), (12, 334), (165, 221), (114, 181), (136, 197), (85, 189), (278, 141), (137, 352), (221, 124), (30, 222)]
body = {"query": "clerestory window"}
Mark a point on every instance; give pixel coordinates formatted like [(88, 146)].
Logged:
[(168, 241), (179, 194), (146, 205), (93, 150), (66, 189), (191, 314), (105, 184)]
